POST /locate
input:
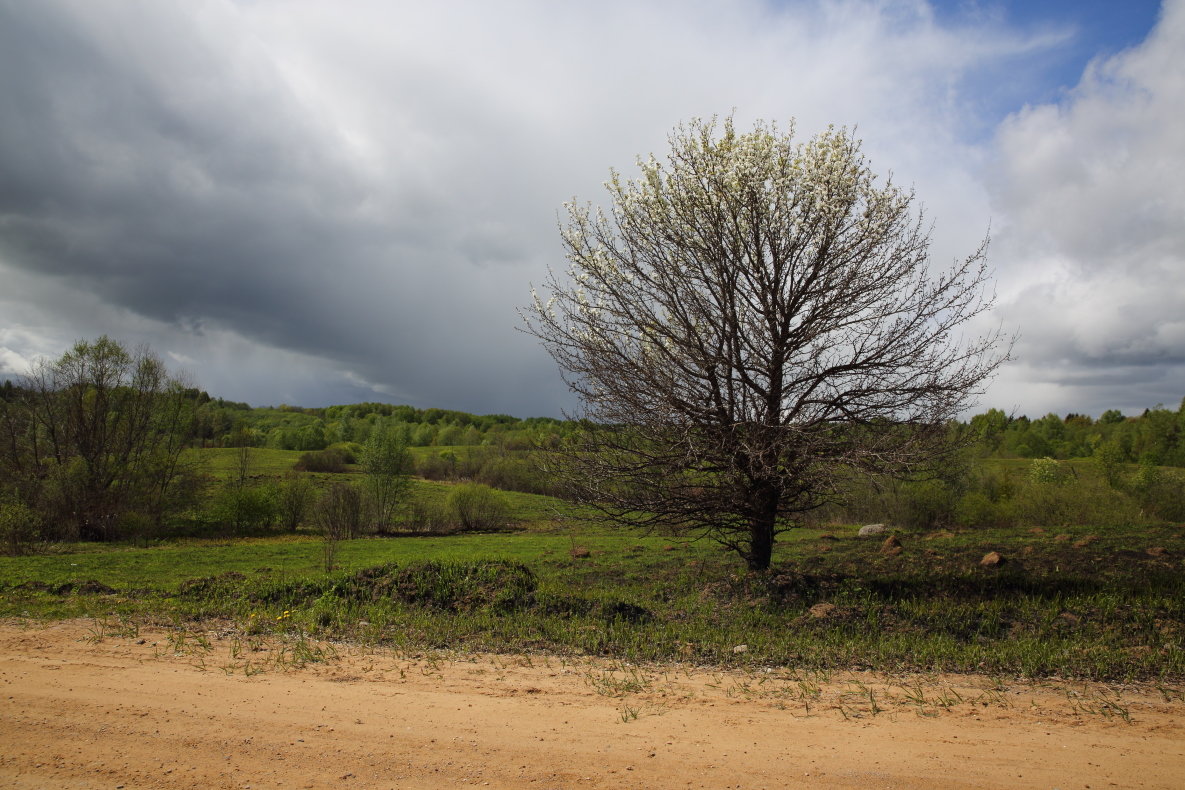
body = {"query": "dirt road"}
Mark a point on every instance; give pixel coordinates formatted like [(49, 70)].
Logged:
[(144, 710)]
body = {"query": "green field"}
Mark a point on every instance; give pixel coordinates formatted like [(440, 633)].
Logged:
[(1097, 604)]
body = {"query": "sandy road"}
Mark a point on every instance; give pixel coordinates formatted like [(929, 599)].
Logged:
[(132, 712)]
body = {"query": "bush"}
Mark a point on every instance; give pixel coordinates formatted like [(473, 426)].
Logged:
[(293, 498), (1047, 471), (976, 509), (245, 508), (1073, 502), (18, 526), (350, 451), (431, 517), (322, 461), (1161, 493), (339, 513), (925, 504), (438, 466), (478, 507)]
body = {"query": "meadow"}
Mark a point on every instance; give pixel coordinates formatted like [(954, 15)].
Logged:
[(1085, 602)]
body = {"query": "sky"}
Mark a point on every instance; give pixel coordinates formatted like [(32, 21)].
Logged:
[(313, 202)]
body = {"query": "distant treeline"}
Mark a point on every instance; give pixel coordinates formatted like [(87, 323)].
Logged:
[(1157, 436), (222, 423)]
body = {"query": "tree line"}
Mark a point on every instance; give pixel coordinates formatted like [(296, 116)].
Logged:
[(93, 449)]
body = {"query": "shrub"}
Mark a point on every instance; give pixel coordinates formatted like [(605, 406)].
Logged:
[(976, 509), (293, 498), (1047, 471), (18, 526), (1160, 492), (431, 517), (245, 508), (438, 466), (322, 461), (925, 504), (350, 451), (478, 507), (339, 515)]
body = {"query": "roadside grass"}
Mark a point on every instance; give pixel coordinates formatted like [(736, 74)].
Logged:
[(1104, 605)]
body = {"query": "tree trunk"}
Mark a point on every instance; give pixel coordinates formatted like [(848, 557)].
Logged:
[(761, 543), (761, 527)]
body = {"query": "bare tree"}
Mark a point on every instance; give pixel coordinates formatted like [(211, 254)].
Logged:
[(752, 322)]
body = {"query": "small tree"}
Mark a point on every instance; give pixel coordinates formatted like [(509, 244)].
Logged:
[(339, 515), (747, 325), (387, 464), (294, 496)]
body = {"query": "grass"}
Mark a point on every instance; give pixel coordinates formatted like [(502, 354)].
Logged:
[(1098, 609), (223, 462)]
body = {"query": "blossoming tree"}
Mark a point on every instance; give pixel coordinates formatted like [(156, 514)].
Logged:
[(749, 323)]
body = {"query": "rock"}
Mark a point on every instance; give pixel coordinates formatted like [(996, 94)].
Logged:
[(891, 546), (992, 559), (1084, 542), (1156, 551), (741, 649), (872, 529), (822, 610)]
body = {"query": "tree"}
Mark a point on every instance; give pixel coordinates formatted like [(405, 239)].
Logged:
[(388, 465), (750, 323), (95, 437)]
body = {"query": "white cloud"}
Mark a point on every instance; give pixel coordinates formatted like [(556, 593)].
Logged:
[(1091, 244)]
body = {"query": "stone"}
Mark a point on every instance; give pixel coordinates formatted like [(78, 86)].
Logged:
[(741, 649), (993, 559), (872, 529)]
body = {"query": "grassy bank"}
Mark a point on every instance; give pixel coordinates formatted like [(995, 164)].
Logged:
[(1106, 605)]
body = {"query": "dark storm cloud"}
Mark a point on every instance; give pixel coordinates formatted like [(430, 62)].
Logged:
[(180, 178), (299, 203)]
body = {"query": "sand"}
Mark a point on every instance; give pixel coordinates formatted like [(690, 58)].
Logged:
[(143, 710)]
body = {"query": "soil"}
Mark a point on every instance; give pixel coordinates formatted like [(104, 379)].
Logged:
[(80, 709)]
